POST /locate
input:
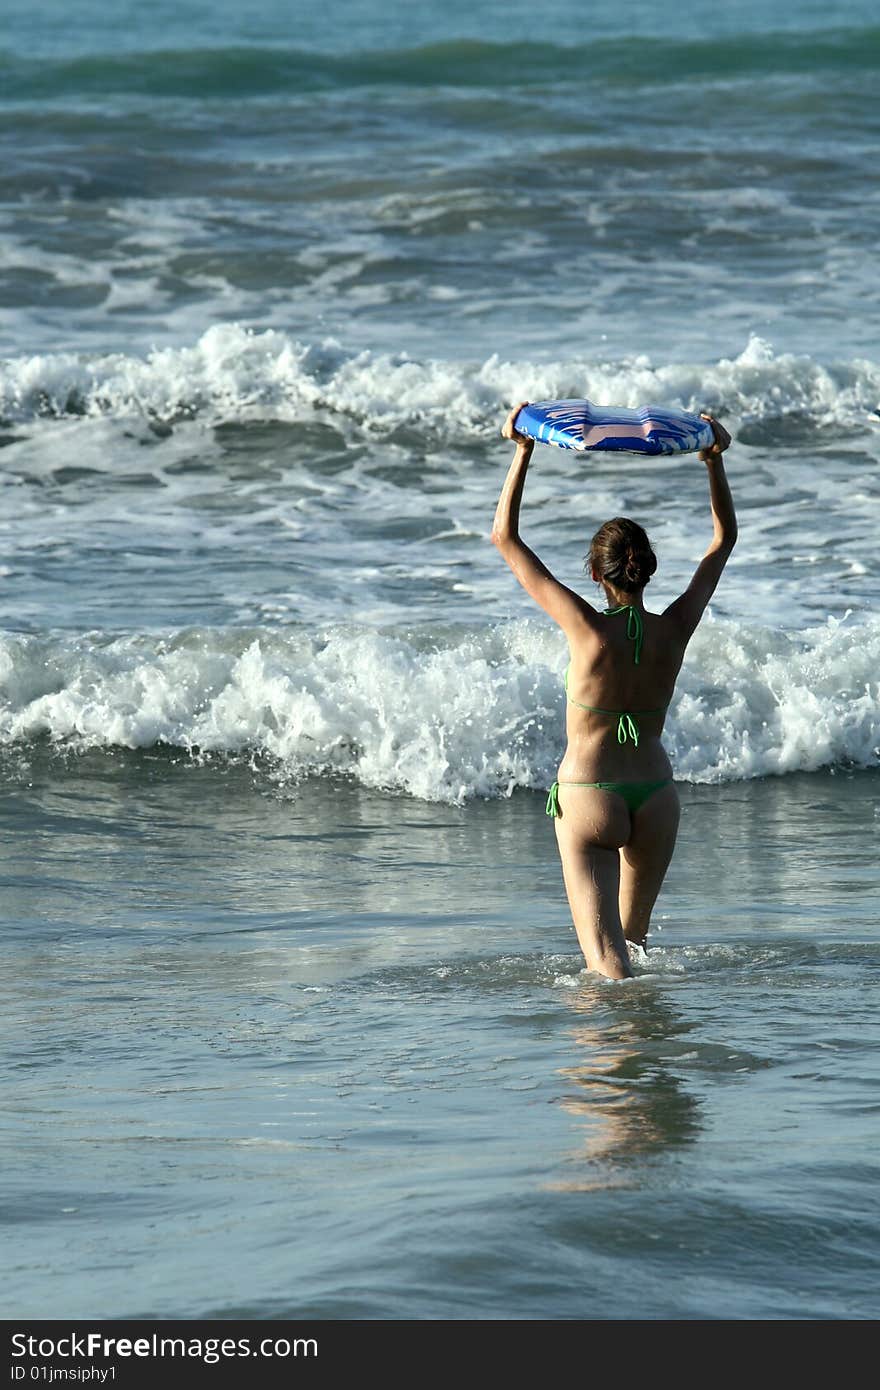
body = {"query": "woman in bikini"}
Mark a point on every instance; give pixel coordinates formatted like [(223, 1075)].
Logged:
[(615, 806)]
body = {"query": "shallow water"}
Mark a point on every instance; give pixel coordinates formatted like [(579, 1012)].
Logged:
[(344, 1042), (296, 1022)]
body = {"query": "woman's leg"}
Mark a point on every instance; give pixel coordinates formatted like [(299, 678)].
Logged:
[(589, 833), (644, 860)]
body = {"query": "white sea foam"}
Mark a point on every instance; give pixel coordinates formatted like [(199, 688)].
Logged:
[(479, 715), (234, 373)]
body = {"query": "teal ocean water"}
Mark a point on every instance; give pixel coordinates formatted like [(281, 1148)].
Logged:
[(295, 1023)]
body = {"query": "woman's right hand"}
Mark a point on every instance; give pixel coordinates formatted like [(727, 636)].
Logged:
[(509, 430), (722, 439)]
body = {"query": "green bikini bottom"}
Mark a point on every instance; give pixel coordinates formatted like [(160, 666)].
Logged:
[(633, 793)]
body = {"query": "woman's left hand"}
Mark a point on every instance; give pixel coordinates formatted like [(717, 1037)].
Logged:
[(509, 430), (722, 438)]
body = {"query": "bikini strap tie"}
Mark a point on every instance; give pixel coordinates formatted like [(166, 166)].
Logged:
[(552, 807), (635, 627), (627, 728)]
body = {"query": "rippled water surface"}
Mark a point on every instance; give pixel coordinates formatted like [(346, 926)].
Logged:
[(334, 1055)]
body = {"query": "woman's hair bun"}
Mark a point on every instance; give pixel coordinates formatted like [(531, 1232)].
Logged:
[(621, 553)]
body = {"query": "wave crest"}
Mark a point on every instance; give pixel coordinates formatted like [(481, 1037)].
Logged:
[(239, 71), (478, 715), (236, 374)]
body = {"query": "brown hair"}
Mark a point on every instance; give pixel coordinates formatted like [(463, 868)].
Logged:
[(621, 553)]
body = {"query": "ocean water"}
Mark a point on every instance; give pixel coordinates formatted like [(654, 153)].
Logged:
[(295, 1023)]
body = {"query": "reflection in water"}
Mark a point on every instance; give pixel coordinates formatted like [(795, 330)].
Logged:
[(623, 1089)]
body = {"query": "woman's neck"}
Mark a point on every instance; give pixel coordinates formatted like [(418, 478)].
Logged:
[(619, 598)]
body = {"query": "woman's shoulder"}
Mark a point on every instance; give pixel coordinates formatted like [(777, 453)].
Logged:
[(663, 631)]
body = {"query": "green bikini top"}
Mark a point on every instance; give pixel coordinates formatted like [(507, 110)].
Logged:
[(627, 728)]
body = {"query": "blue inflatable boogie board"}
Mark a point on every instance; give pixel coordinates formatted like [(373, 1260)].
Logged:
[(580, 425)]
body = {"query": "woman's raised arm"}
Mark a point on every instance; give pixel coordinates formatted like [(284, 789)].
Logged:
[(689, 608), (565, 607)]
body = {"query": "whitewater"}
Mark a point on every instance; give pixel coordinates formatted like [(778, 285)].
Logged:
[(351, 493), (235, 374), (479, 716)]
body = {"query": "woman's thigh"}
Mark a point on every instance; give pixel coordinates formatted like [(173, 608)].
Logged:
[(645, 858), (589, 833)]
